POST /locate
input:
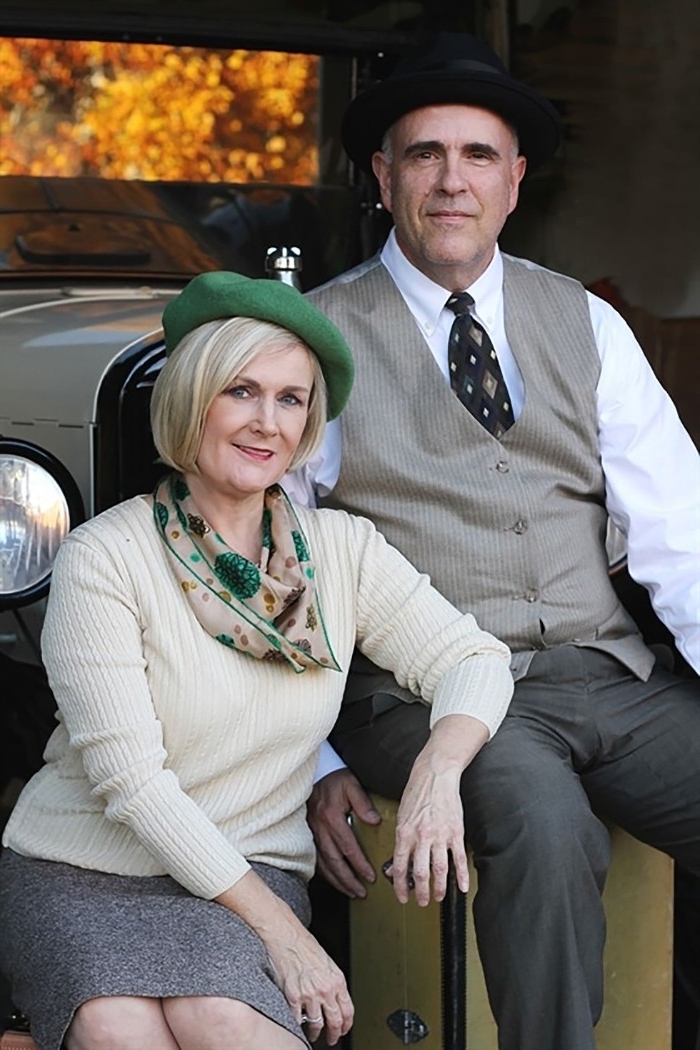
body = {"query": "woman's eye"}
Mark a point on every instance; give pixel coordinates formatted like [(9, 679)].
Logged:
[(238, 391)]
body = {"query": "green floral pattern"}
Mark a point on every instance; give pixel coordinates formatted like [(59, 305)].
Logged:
[(267, 529), (300, 547), (161, 514), (238, 574), (180, 488)]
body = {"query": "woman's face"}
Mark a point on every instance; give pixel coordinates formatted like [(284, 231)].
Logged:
[(253, 428)]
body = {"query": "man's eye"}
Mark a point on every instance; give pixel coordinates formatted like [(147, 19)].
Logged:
[(419, 156)]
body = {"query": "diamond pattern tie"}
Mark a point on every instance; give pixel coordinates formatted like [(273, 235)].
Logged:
[(475, 374)]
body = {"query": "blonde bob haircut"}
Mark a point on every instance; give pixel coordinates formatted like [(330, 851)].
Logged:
[(204, 364)]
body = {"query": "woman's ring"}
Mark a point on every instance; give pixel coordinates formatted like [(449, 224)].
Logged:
[(305, 1019)]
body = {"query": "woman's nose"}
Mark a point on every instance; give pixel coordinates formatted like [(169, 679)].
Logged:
[(265, 418)]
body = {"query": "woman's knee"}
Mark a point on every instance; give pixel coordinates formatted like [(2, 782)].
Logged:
[(119, 1023), (227, 1022)]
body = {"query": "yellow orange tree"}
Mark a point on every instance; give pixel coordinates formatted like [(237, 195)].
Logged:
[(155, 112)]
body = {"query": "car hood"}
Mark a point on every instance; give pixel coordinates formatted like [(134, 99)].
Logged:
[(57, 343)]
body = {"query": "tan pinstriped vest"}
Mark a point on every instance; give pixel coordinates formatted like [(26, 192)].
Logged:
[(510, 530)]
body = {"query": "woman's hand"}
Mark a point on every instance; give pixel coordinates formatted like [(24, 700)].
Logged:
[(430, 821), (314, 986)]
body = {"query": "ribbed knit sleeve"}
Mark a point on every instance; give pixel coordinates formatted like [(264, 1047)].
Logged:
[(92, 648), (404, 625)]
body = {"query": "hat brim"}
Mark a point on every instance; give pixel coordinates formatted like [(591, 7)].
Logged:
[(371, 113), (222, 294)]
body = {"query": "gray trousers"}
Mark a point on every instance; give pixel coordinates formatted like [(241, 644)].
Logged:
[(584, 741)]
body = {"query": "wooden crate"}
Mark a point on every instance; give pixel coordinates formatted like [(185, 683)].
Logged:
[(395, 953)]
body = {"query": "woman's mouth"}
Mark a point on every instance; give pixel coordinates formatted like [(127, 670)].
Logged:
[(262, 455)]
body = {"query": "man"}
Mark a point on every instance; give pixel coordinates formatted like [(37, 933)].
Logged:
[(500, 488)]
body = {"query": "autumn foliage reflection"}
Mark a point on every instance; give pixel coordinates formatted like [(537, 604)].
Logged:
[(147, 111)]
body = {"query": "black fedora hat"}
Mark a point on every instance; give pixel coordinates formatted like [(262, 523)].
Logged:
[(452, 68)]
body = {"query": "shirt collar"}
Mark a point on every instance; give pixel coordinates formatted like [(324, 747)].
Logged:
[(426, 299)]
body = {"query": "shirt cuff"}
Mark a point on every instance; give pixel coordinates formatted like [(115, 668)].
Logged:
[(327, 762)]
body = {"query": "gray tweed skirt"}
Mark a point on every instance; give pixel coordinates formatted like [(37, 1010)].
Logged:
[(68, 935)]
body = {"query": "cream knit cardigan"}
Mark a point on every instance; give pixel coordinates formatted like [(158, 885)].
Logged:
[(175, 755)]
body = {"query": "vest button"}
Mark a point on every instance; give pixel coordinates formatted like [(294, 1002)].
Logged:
[(502, 466), (520, 527), (531, 596)]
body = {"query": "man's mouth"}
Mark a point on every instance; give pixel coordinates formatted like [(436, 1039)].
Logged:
[(443, 214)]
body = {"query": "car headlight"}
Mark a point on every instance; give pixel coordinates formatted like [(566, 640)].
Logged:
[(39, 504)]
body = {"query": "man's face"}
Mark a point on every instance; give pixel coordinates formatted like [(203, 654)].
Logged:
[(450, 182)]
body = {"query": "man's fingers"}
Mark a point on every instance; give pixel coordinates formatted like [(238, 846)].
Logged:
[(341, 859), (361, 804), (338, 844), (345, 843), (341, 877)]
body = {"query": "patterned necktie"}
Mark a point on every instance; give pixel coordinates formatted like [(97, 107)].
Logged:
[(475, 374)]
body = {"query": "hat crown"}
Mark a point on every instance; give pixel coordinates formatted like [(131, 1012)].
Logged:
[(450, 69), (449, 53), (222, 294)]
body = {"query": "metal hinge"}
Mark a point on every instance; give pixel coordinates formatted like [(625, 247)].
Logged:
[(407, 1026)]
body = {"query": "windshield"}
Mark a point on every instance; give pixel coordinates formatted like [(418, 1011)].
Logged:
[(156, 112), (102, 140)]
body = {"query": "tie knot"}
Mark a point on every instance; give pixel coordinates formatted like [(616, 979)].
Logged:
[(459, 303)]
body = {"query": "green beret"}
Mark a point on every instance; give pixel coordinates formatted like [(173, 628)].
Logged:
[(221, 294)]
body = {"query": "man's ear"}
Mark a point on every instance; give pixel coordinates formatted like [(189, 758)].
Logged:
[(517, 175), (382, 172)]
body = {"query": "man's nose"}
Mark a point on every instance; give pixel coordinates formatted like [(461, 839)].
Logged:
[(452, 177)]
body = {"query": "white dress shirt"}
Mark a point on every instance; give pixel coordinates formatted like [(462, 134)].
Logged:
[(651, 466)]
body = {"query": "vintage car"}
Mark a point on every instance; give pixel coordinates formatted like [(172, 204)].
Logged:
[(86, 268)]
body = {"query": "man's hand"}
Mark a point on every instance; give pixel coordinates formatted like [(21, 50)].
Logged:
[(341, 860)]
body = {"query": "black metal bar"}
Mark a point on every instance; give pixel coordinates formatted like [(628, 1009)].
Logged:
[(453, 942)]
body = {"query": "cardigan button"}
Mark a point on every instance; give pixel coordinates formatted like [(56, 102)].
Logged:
[(502, 466), (531, 596), (520, 527)]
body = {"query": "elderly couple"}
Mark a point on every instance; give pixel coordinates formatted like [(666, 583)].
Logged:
[(201, 639)]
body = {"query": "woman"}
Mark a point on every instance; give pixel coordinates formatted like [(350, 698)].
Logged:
[(153, 890)]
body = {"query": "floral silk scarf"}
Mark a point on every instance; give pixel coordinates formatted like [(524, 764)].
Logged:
[(269, 611)]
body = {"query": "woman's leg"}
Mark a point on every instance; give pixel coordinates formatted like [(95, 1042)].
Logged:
[(220, 1024), (183, 1023), (120, 1022)]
